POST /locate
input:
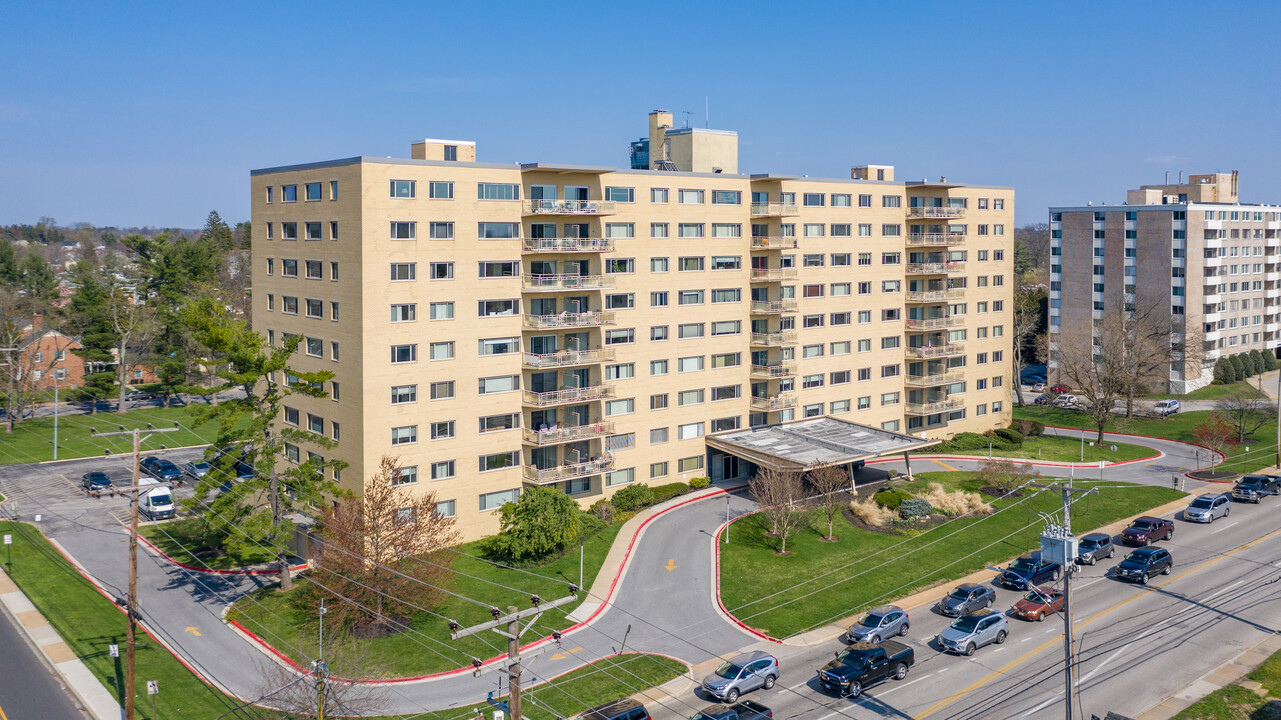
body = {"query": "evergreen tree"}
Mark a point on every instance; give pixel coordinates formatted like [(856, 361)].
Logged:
[(38, 279), (1269, 360), (217, 233), (1238, 368), (1223, 372), (1259, 365), (87, 318)]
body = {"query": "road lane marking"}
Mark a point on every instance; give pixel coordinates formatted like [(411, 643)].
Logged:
[(949, 467), (1225, 527), (192, 629), (565, 653), (671, 564), (1042, 706), (1005, 669), (1026, 639)]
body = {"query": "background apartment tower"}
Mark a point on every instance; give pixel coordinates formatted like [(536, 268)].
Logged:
[(497, 326), (1194, 244)]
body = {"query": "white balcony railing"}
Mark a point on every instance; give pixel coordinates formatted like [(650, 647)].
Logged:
[(933, 296), (569, 320), (569, 395), (568, 245), (773, 274), (769, 307), (773, 243), (774, 339), (935, 351), (937, 323), (936, 212), (567, 282), (570, 207), (769, 372), (929, 408), (566, 358), (929, 239), (573, 433), (932, 380), (561, 473), (774, 209), (774, 402)]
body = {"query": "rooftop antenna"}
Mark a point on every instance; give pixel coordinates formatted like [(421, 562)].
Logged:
[(707, 112), (687, 113)]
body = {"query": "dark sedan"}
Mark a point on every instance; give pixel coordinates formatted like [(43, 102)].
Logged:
[(1029, 571), (95, 481), (160, 468), (964, 599)]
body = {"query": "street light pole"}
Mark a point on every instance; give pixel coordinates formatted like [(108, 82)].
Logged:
[(55, 414)]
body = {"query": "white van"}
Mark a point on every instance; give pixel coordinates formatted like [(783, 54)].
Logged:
[(156, 504)]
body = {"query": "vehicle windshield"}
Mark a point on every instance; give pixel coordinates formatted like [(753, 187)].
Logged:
[(1251, 481), (850, 657), (200, 465), (959, 594), (871, 620), (1088, 544), (1023, 564), (1037, 597), (161, 499), (966, 624), (1138, 556), (1142, 525), (728, 670), (1202, 503)]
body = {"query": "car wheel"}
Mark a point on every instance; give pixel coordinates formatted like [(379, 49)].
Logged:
[(969, 649), (900, 671), (1058, 573), (769, 681), (732, 695), (1170, 535), (1039, 617), (1167, 570), (876, 639), (856, 689), (1111, 553), (1092, 561), (903, 630), (1227, 511), (1143, 579)]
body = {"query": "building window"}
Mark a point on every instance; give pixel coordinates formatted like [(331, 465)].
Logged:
[(289, 193), (446, 508), (499, 423), (442, 430), (442, 390), (404, 271), (404, 435), (442, 470), (499, 384), (442, 350), (441, 311), (657, 367), (441, 271), (620, 194), (658, 470), (658, 402), (404, 353), (497, 230), (625, 406), (407, 312), (497, 191), (690, 197), (498, 346), (406, 475), (690, 431), (690, 464), (494, 500), (440, 190), (440, 230), (689, 364), (498, 461), (312, 229), (658, 195), (403, 188)]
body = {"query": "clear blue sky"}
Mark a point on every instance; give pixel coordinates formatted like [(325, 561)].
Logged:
[(153, 114)]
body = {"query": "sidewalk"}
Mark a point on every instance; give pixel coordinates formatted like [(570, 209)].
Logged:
[(1221, 677)]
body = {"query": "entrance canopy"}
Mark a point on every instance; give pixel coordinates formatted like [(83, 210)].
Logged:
[(814, 443)]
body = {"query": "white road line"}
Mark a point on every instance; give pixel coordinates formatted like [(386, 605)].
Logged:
[(1043, 705), (1025, 639), (996, 651), (801, 685), (1225, 527), (1088, 583)]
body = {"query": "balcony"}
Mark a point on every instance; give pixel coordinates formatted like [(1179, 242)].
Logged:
[(774, 339), (933, 239), (934, 296), (573, 433), (937, 323), (569, 207), (936, 351), (935, 268), (1211, 335), (773, 274), (1213, 317), (773, 372), (569, 395), (1271, 327), (774, 243), (559, 283), (774, 209), (773, 402), (1213, 298), (772, 307), (941, 213), (934, 380), (569, 245), (931, 408), (1270, 293), (568, 358), (561, 473), (569, 320)]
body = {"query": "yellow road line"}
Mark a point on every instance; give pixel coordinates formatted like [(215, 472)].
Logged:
[(2, 715), (949, 467), (1003, 670)]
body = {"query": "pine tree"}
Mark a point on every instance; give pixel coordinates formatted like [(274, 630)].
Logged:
[(1238, 368), (87, 320)]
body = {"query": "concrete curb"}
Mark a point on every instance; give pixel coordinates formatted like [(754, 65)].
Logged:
[(1220, 677)]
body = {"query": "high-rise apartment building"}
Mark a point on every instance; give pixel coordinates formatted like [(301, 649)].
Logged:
[(1194, 244), (500, 325)]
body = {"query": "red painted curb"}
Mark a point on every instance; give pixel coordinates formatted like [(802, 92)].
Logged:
[(212, 571), (1222, 457), (716, 537), (1044, 463)]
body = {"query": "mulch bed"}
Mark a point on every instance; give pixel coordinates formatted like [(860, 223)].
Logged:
[(995, 492), (906, 528), (1213, 475), (370, 628)]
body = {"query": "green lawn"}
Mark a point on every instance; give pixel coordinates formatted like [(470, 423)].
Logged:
[(783, 596), (32, 440), (1214, 392), (1050, 447), (180, 540), (277, 618), (1229, 703), (1268, 674), (1262, 444)]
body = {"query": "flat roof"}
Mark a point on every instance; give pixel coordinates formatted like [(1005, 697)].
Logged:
[(1161, 206), (815, 442)]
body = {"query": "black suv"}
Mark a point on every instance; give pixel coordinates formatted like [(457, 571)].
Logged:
[(1143, 563), (96, 480), (741, 710), (625, 709)]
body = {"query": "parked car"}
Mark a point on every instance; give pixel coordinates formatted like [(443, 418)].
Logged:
[(1034, 379), (1038, 603), (156, 504), (1205, 508), (971, 632), (95, 480), (160, 468), (1146, 530), (964, 599), (1144, 563), (1252, 488), (1042, 399), (741, 710), (1067, 402), (1029, 571), (195, 470), (1060, 389), (879, 623), (1166, 408), (863, 665), (1094, 546), (137, 395), (625, 709), (742, 674), (1039, 387)]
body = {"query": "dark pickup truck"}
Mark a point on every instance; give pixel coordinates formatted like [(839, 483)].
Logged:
[(1252, 488), (863, 665), (1147, 530)]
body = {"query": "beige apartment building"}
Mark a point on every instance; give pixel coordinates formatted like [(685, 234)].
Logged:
[(497, 326), (1214, 258)]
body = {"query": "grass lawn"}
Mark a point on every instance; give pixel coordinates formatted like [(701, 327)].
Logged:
[(1262, 444), (177, 538), (1214, 392), (278, 619), (1268, 674), (1229, 703), (1050, 447), (32, 440), (783, 596)]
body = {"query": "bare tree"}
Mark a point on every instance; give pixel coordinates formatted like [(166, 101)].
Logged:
[(135, 326), (23, 364), (1027, 322), (1245, 411), (780, 494), (1093, 364), (830, 484), (388, 543), (293, 694), (1150, 341), (1005, 475)]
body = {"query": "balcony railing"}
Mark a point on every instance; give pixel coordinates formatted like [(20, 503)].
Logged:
[(935, 351), (935, 268), (569, 245), (930, 408), (929, 239), (934, 296), (573, 433), (773, 274), (569, 320), (773, 243), (772, 372), (774, 209), (561, 473), (569, 395), (775, 402), (774, 339), (936, 212), (937, 323), (770, 307), (566, 358), (932, 380), (553, 283), (570, 207)]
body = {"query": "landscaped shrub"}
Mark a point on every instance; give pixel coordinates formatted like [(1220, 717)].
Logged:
[(1223, 373), (1013, 436), (871, 512), (914, 507), (662, 493), (1269, 360), (1248, 363), (1029, 428), (633, 498), (700, 483), (956, 503), (1257, 358), (890, 499), (540, 524), (603, 509), (1238, 368)]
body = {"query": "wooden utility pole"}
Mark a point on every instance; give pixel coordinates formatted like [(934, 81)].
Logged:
[(132, 600), (513, 633)]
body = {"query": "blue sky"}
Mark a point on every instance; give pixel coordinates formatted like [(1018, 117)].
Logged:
[(153, 114)]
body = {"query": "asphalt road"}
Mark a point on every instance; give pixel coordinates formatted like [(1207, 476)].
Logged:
[(28, 688)]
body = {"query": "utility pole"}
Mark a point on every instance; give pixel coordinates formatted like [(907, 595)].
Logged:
[(1061, 546), (322, 669), (511, 621), (55, 414), (132, 600)]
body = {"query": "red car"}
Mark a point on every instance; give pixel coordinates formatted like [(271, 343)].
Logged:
[(1060, 389), (1038, 603), (1147, 530)]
